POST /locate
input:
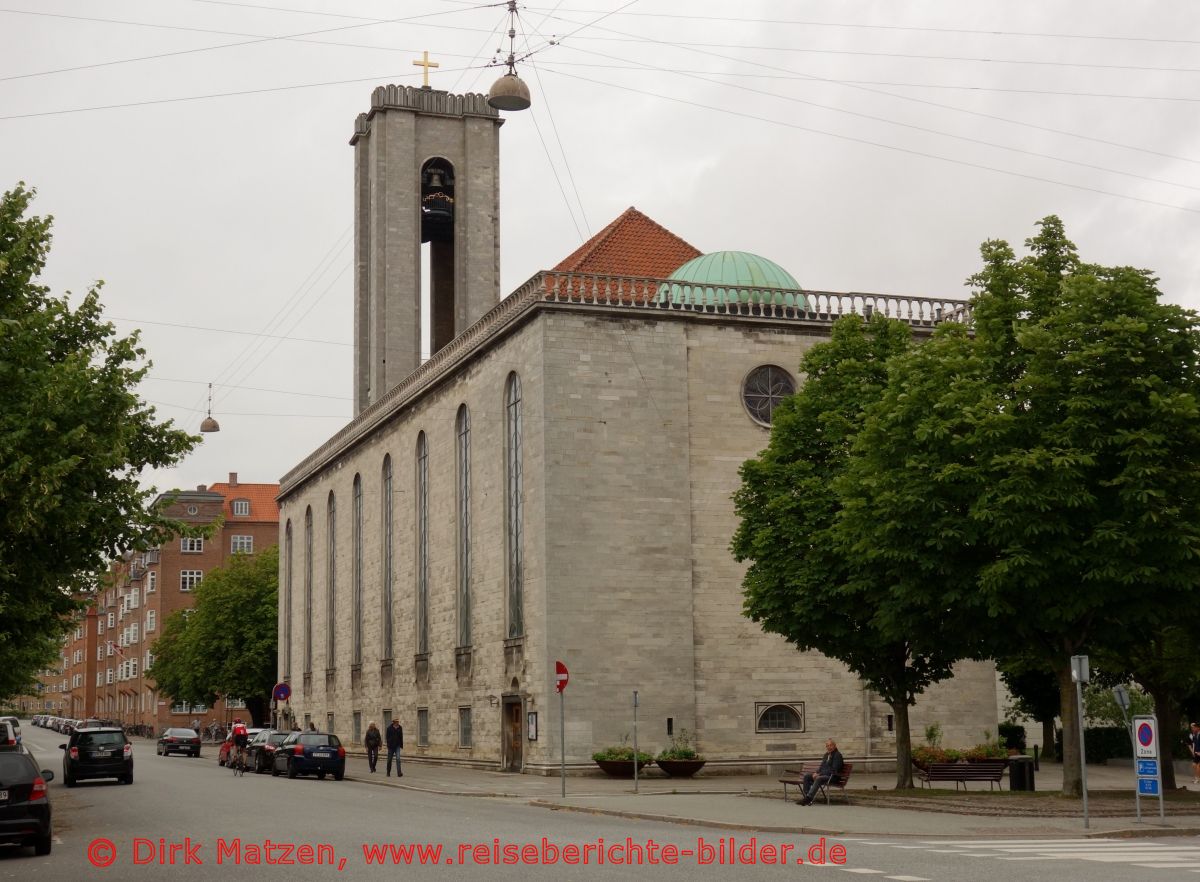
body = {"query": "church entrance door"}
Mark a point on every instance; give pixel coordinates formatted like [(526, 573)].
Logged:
[(512, 733)]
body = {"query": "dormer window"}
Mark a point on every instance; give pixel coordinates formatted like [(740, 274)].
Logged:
[(241, 507)]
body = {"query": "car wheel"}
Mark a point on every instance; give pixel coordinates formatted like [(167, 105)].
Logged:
[(337, 776), (274, 771), (41, 845), (69, 780), (320, 776), (127, 779), (291, 769)]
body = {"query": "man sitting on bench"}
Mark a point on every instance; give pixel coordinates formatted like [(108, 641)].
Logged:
[(831, 767)]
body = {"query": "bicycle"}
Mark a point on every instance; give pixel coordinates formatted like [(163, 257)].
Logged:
[(239, 765)]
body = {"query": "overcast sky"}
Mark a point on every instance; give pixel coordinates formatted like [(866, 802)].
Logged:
[(194, 155)]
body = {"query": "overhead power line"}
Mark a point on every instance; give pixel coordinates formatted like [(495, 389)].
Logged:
[(883, 27), (117, 318), (868, 142)]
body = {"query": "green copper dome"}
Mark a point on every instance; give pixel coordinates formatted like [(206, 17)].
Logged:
[(706, 280)]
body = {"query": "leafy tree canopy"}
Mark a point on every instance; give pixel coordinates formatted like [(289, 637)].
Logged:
[(74, 440), (805, 580), (1045, 468), (226, 645)]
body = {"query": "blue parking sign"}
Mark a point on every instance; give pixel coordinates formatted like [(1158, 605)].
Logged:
[(1147, 768), (1148, 786)]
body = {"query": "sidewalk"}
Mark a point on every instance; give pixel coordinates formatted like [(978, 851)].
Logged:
[(737, 802)]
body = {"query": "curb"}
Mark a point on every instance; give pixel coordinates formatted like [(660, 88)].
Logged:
[(384, 782), (1127, 833)]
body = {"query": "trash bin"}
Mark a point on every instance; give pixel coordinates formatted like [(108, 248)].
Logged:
[(1020, 773)]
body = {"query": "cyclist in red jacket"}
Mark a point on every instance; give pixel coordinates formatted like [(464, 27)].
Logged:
[(241, 737)]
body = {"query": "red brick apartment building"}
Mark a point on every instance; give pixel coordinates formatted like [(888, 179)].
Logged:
[(142, 590)]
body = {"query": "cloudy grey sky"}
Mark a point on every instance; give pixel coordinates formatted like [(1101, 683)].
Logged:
[(194, 154)]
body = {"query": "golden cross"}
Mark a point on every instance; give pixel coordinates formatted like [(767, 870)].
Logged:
[(426, 63)]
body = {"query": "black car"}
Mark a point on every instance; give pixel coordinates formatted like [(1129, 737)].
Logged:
[(24, 801), (97, 753), (185, 741), (310, 753), (262, 749)]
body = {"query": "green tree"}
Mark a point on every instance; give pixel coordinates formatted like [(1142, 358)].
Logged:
[(1047, 466), (805, 582), (226, 645), (74, 440)]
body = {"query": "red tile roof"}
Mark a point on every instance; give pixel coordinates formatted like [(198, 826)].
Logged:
[(263, 506), (632, 245)]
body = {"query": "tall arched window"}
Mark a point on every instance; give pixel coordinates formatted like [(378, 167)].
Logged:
[(308, 588), (357, 586), (330, 583), (422, 519), (287, 600), (462, 432), (385, 618), (515, 506)]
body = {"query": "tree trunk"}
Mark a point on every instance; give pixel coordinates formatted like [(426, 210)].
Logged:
[(904, 780), (1168, 713), (1049, 752), (257, 708), (1071, 769)]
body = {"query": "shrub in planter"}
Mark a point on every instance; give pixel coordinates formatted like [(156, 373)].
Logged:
[(618, 760), (680, 760)]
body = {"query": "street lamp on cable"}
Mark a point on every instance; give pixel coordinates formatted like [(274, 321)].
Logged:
[(209, 424)]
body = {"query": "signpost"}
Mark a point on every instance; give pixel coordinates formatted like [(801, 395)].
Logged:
[(1080, 674), (1144, 734), (635, 752), (281, 692), (561, 678)]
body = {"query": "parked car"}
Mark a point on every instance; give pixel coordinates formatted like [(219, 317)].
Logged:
[(8, 738), (262, 748), (178, 741), (24, 801), (227, 746), (16, 726), (310, 753), (97, 753)]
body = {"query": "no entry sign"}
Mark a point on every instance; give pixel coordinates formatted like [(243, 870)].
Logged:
[(561, 677)]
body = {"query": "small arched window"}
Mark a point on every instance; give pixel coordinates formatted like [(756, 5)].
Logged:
[(779, 717)]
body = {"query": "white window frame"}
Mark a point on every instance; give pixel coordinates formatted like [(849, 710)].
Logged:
[(151, 620), (241, 545), (151, 581), (189, 579), (240, 508), (191, 544)]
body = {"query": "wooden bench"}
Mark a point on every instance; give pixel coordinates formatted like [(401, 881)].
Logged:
[(796, 777), (961, 773)]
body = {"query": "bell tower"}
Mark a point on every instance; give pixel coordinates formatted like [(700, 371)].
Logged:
[(426, 176)]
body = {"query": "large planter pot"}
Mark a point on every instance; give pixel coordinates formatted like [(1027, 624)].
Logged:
[(681, 768), (620, 768)]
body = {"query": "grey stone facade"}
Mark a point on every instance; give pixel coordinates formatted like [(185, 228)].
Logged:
[(634, 430)]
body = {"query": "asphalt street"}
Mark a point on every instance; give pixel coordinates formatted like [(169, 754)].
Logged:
[(186, 819)]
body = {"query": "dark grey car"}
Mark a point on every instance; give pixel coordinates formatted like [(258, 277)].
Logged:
[(97, 753)]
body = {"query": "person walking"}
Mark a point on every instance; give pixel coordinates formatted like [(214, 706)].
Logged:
[(372, 741), (1194, 744), (395, 743)]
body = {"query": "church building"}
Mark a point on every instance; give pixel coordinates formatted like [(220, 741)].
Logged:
[(554, 485)]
